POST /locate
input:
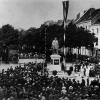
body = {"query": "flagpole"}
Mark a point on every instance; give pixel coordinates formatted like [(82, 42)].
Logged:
[(64, 58), (65, 12), (45, 43)]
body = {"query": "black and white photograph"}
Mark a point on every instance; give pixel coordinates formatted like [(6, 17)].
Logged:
[(49, 49)]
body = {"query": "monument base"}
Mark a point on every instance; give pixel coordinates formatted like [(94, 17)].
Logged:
[(55, 63), (54, 67)]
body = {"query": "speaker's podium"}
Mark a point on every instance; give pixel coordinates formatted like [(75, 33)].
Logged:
[(55, 63)]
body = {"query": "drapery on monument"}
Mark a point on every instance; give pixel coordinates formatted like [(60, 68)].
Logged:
[(55, 45)]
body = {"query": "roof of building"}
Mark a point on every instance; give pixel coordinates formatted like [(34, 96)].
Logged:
[(91, 14)]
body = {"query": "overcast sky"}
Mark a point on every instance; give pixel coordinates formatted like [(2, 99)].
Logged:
[(32, 13)]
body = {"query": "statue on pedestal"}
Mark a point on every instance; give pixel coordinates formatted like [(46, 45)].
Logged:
[(55, 45), (55, 57)]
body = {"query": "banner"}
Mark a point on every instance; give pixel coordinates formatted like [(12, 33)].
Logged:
[(65, 13), (65, 10)]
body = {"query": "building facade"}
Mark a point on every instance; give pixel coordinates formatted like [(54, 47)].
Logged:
[(90, 20)]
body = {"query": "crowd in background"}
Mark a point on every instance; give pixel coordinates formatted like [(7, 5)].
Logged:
[(32, 82), (86, 69), (83, 68), (31, 55)]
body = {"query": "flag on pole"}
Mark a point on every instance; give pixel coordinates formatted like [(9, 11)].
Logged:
[(65, 13), (65, 10)]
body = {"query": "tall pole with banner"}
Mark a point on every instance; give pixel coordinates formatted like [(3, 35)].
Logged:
[(65, 13)]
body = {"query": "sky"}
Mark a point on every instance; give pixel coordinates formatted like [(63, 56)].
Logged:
[(24, 14)]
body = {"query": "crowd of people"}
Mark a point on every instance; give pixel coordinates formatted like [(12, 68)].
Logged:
[(84, 68), (31, 55), (32, 82)]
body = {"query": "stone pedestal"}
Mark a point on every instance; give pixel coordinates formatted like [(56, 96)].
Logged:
[(55, 63)]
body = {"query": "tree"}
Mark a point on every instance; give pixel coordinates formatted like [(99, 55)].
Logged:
[(77, 37), (9, 35), (30, 38)]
